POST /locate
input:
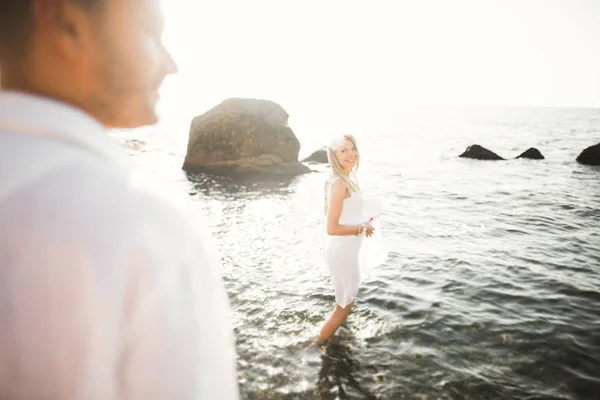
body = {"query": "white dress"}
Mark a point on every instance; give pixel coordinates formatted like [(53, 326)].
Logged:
[(350, 257)]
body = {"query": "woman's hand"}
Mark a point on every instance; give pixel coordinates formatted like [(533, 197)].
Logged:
[(370, 229)]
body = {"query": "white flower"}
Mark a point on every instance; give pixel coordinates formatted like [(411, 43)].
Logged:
[(335, 142)]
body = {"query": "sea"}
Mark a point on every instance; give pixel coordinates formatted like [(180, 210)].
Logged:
[(491, 289)]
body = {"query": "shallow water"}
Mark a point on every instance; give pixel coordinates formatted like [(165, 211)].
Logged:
[(491, 290)]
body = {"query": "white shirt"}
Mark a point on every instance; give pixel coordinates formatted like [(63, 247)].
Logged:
[(105, 291)]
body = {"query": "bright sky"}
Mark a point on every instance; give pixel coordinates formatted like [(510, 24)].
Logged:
[(309, 53)]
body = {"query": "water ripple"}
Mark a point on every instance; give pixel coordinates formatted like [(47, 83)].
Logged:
[(491, 290)]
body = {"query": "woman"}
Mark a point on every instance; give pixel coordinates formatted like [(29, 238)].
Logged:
[(350, 228)]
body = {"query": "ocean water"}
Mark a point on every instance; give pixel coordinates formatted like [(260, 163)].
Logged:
[(492, 286)]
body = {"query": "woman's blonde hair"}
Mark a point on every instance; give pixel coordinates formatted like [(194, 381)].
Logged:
[(336, 168)]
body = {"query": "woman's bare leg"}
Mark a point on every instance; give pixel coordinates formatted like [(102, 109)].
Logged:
[(337, 318)]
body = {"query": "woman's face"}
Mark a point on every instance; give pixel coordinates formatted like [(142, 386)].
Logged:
[(347, 155)]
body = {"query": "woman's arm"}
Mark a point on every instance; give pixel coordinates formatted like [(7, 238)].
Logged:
[(338, 193), (325, 205)]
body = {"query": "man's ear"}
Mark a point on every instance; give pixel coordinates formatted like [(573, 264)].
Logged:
[(63, 22)]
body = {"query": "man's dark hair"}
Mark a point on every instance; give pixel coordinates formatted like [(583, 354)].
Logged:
[(16, 25)]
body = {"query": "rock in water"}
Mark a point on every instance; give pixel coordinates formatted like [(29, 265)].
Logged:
[(478, 152), (319, 156), (532, 153), (243, 136), (590, 156)]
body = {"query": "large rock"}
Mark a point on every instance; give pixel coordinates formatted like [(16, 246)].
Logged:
[(243, 136), (532, 154), (590, 156), (478, 152), (319, 156)]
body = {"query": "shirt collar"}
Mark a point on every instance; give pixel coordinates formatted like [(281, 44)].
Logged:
[(25, 113)]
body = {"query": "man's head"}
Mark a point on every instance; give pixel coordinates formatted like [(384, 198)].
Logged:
[(103, 56)]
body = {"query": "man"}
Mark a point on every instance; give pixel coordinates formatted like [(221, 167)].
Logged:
[(105, 292)]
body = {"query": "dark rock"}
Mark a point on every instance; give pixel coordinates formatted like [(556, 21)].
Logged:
[(590, 156), (532, 153), (478, 152), (319, 156)]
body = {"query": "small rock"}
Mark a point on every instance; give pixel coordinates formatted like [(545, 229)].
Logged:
[(590, 156), (478, 152), (532, 154), (319, 156)]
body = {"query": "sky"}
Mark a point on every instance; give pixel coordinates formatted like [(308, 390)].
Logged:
[(312, 54)]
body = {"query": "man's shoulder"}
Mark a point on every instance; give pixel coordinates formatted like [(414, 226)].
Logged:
[(126, 201), (90, 197)]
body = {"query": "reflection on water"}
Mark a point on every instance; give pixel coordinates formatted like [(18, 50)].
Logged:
[(240, 186), (338, 374)]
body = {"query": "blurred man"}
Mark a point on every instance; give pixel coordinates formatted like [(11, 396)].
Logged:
[(105, 292)]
